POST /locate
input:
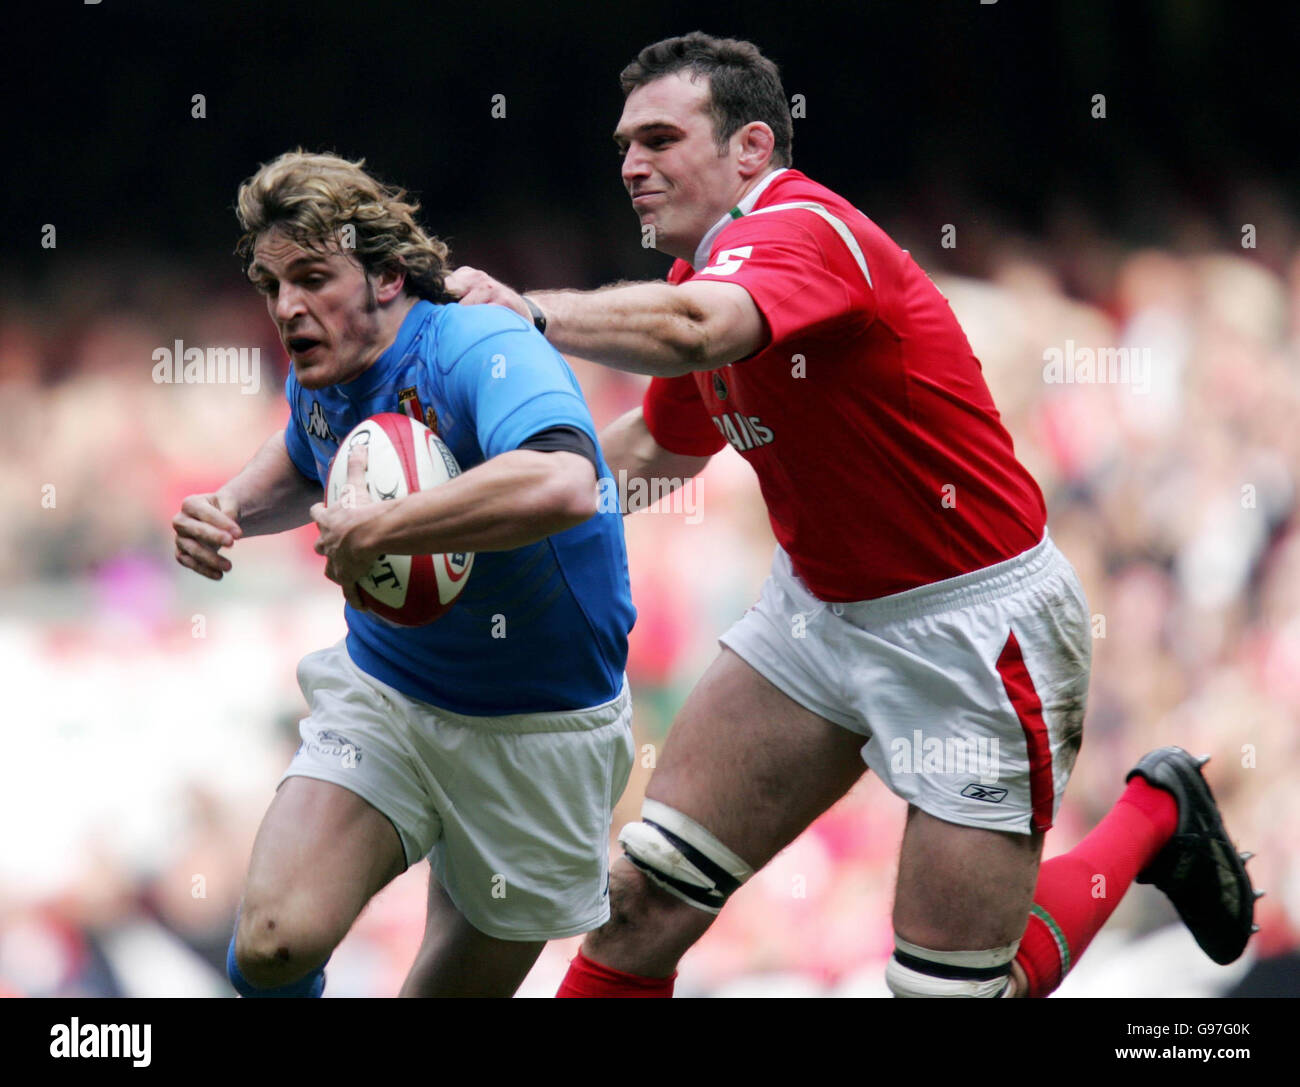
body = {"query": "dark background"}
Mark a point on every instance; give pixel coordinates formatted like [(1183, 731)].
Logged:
[(921, 112)]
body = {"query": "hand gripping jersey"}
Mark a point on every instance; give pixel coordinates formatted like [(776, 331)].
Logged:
[(880, 455), (541, 628)]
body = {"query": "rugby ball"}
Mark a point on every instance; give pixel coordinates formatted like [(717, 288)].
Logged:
[(404, 456)]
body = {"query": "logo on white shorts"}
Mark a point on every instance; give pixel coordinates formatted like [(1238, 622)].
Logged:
[(336, 745), (984, 792)]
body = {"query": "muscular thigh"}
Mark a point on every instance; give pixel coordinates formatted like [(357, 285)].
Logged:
[(750, 764), (320, 854), (963, 888)]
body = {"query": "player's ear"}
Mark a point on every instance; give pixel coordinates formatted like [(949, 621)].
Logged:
[(756, 146), (389, 282)]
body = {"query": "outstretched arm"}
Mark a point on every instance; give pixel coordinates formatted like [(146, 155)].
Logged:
[(629, 447), (645, 328)]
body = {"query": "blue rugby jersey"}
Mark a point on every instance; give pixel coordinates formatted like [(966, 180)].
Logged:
[(543, 627)]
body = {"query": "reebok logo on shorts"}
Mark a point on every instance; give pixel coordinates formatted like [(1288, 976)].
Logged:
[(984, 792)]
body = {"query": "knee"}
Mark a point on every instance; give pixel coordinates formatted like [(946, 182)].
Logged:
[(645, 920), (271, 949), (632, 905)]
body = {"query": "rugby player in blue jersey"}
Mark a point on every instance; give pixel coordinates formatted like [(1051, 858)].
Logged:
[(496, 740)]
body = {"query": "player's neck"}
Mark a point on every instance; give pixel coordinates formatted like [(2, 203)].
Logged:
[(752, 184), (391, 319), (743, 200)]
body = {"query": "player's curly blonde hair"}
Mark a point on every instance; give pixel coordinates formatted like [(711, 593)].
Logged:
[(313, 198)]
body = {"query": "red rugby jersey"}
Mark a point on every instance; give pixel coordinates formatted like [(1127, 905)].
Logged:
[(881, 457)]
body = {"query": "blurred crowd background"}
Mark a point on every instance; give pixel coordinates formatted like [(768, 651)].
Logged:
[(149, 713)]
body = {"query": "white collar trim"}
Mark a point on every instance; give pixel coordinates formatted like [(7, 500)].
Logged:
[(745, 206)]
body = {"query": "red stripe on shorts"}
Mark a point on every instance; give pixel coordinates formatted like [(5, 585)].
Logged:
[(1028, 707)]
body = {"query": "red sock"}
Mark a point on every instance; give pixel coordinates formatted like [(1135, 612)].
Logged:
[(1079, 890), (589, 978)]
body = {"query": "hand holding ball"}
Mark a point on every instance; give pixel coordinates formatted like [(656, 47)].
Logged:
[(403, 456)]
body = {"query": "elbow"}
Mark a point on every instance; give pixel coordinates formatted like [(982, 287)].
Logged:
[(692, 354), (693, 345), (572, 495), (717, 324), (580, 502)]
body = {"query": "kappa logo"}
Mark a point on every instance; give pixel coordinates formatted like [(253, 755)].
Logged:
[(335, 744), (317, 425), (984, 792)]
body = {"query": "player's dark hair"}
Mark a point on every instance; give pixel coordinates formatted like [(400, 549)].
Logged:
[(321, 201), (744, 85)]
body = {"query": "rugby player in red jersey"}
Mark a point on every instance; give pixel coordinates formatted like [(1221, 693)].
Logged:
[(915, 599)]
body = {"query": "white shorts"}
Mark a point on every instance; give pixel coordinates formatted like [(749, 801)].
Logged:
[(970, 691), (513, 812)]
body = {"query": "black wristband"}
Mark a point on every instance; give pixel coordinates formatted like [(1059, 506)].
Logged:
[(539, 318)]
